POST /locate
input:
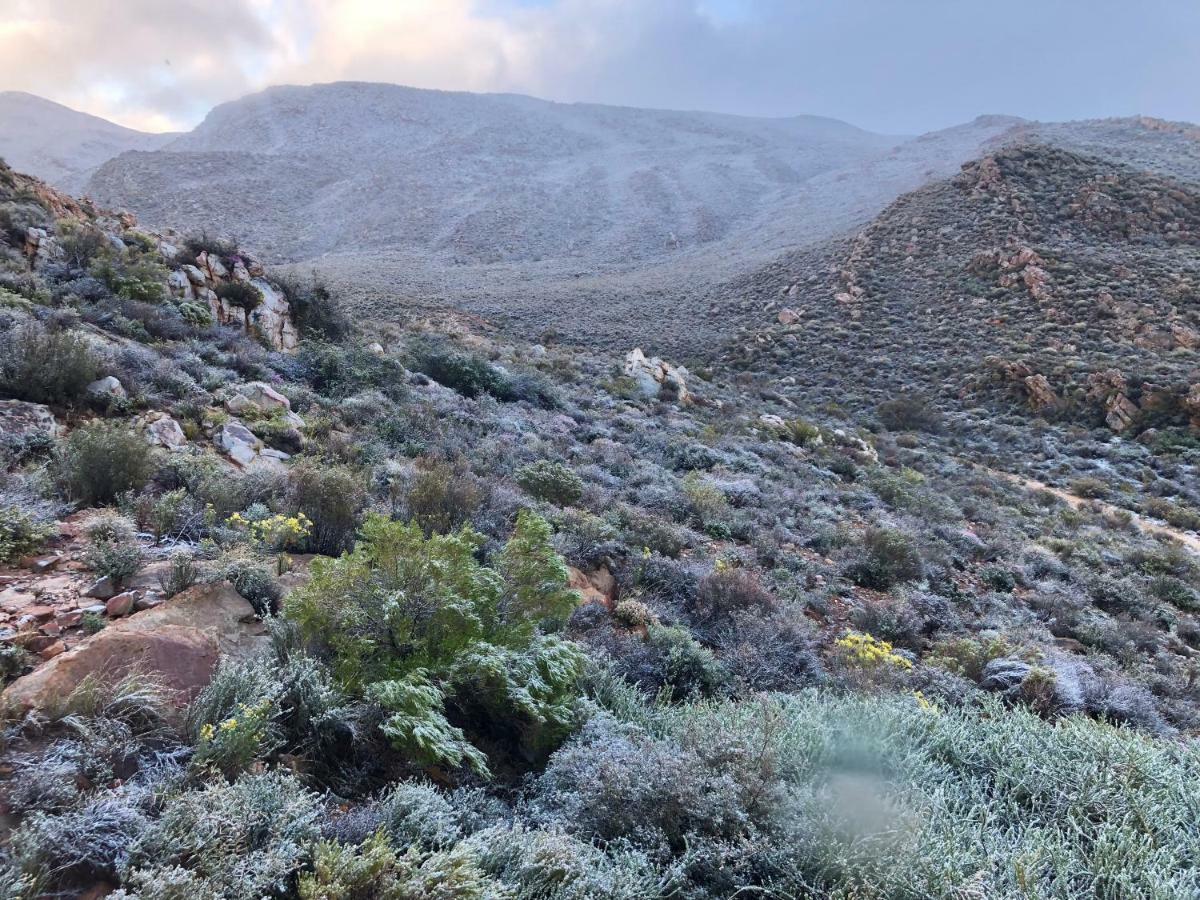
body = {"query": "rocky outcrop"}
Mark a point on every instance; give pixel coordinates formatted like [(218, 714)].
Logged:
[(203, 280), (656, 378), (1109, 389), (594, 587), (1191, 404), (1041, 395), (177, 643), (21, 420)]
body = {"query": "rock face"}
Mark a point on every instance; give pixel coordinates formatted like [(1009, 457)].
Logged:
[(1041, 394), (19, 419), (177, 643), (1108, 388), (656, 378)]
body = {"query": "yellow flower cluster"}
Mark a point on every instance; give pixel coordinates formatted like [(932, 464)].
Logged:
[(277, 532), (868, 652), (251, 715)]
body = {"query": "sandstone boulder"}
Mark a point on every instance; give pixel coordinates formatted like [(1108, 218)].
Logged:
[(1041, 395), (177, 643)]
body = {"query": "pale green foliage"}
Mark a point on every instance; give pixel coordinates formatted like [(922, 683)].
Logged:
[(398, 602), (417, 726), (239, 841), (20, 533), (533, 688), (536, 576), (412, 620), (375, 871)]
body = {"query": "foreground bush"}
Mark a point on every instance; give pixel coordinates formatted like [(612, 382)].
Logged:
[(417, 623)]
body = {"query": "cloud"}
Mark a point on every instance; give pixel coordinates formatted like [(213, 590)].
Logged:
[(893, 66)]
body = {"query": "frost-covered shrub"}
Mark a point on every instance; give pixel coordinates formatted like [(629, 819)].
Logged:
[(241, 841), (552, 482), (45, 366), (99, 461)]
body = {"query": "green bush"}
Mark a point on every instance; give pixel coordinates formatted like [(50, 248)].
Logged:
[(414, 620), (333, 498), (99, 461), (21, 533), (909, 414), (890, 557), (240, 295), (442, 497), (465, 373), (315, 310), (134, 276), (112, 548), (45, 366), (552, 482)]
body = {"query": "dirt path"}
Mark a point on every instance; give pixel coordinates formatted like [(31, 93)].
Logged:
[(1142, 523)]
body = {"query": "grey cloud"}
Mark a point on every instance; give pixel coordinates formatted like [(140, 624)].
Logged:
[(889, 65)]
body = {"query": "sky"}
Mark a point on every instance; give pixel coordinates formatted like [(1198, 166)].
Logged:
[(895, 66)]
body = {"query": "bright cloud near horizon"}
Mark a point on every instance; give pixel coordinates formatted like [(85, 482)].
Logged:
[(899, 66)]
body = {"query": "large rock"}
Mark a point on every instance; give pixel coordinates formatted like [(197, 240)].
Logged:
[(19, 419), (177, 643), (1041, 395), (656, 378), (108, 387), (241, 445), (164, 431), (238, 442)]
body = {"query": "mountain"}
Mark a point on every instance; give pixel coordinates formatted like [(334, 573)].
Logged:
[(60, 145), (472, 179)]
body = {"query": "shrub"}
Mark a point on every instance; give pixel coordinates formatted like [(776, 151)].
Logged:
[(552, 482), (252, 580), (241, 295), (99, 461), (891, 557), (44, 366), (21, 533), (332, 497), (727, 592), (315, 310), (112, 550), (240, 841), (909, 414), (412, 620), (463, 372), (181, 574), (443, 496)]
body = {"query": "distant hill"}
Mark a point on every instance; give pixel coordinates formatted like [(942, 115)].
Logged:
[(475, 178), (58, 144)]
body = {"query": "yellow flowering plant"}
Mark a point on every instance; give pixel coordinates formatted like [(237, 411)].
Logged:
[(865, 651), (275, 532), (233, 744)]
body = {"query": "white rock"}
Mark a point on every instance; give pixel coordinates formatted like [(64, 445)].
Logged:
[(108, 386), (238, 442)]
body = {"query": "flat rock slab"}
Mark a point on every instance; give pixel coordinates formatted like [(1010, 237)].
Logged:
[(178, 643)]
